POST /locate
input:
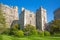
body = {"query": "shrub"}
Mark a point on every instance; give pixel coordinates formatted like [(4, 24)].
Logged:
[(41, 33), (46, 33), (30, 30), (6, 31), (34, 32), (57, 34), (19, 33), (29, 27), (13, 29)]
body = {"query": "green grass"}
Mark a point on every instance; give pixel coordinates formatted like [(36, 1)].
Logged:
[(6, 37)]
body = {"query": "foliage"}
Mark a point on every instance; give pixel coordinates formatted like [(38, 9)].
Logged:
[(13, 29), (29, 27), (41, 33), (19, 33), (6, 31), (2, 22), (33, 32), (57, 34), (2, 18), (54, 26), (46, 33), (30, 30)]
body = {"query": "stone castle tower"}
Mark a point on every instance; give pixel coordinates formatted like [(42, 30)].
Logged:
[(10, 13), (27, 17), (39, 19)]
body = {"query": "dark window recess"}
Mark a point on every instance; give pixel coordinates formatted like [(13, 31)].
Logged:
[(30, 15)]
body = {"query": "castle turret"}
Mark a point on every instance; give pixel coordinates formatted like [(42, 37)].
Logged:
[(22, 9), (41, 19)]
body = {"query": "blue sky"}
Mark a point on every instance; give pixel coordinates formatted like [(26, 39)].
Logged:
[(33, 5)]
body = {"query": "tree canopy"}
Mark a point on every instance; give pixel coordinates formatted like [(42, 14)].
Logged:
[(55, 26), (2, 21)]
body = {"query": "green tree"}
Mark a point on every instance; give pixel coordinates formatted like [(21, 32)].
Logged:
[(54, 26), (41, 33), (14, 28), (30, 30), (46, 33), (29, 27), (16, 31), (2, 21)]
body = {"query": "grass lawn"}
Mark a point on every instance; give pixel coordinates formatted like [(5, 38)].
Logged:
[(5, 37)]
